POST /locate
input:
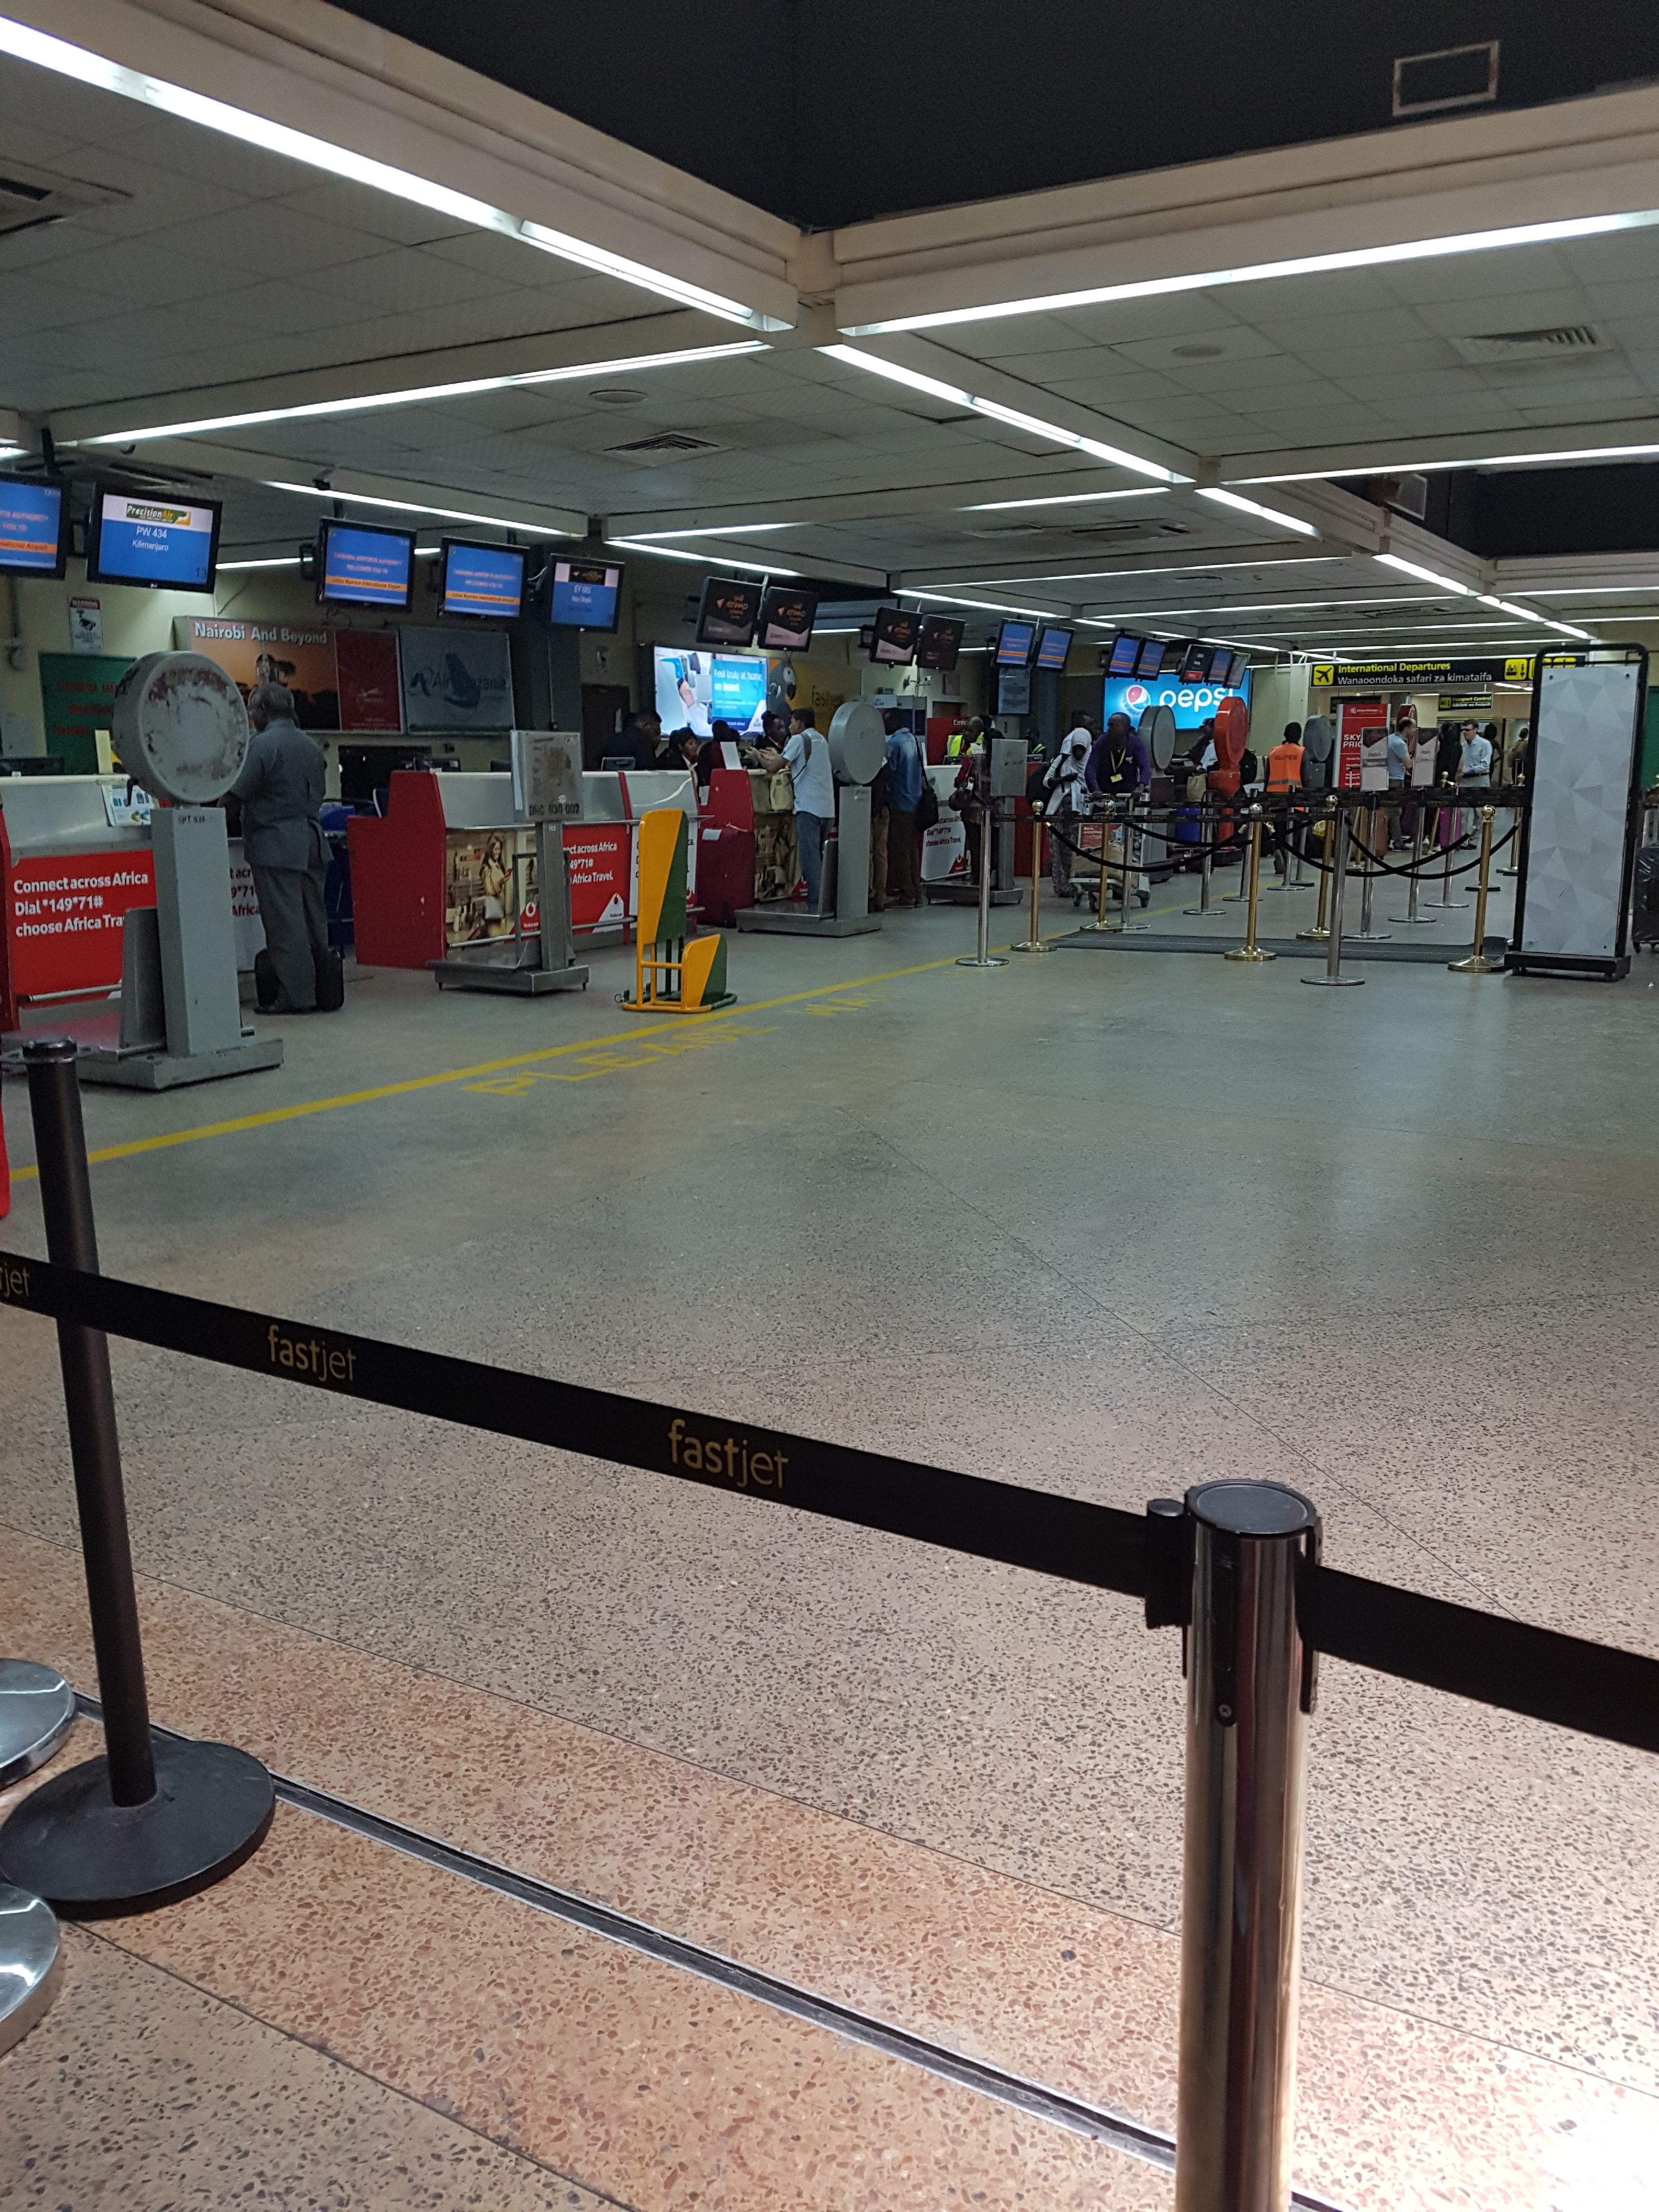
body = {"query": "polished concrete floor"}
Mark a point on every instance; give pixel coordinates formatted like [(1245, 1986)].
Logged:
[(1103, 1225)]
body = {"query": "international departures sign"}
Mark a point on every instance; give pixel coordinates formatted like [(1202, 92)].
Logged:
[(1417, 675)]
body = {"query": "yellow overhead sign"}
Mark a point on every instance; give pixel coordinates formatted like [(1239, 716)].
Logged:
[(1323, 677), (1517, 672)]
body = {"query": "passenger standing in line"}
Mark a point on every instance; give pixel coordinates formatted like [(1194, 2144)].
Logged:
[(1402, 750), (906, 773), (1475, 765), (280, 790), (1118, 762), (881, 789), (1069, 799), (806, 757), (1284, 779)]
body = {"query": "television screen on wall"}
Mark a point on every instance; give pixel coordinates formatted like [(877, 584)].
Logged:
[(939, 643), (786, 617), (897, 633), (583, 594), (360, 565), (33, 527), (729, 611), (481, 579), (1150, 662), (1014, 643), (1053, 648), (1124, 654), (161, 545)]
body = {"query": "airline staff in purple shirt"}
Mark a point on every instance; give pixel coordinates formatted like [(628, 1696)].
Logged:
[(1118, 762)]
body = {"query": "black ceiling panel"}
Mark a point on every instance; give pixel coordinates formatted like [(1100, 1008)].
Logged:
[(828, 112)]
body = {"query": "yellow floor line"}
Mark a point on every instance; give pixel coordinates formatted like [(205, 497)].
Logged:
[(634, 1035)]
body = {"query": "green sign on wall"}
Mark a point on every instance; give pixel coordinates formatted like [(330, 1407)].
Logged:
[(75, 691)]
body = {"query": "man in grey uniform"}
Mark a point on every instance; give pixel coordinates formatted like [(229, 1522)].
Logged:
[(281, 788)]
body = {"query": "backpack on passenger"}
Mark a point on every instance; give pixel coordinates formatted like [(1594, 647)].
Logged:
[(330, 979)]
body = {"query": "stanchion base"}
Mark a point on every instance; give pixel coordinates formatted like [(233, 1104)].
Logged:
[(70, 1843), (28, 1962), (973, 960), (1248, 952), (1412, 920), (1313, 937), (1031, 944), (1476, 964), (37, 1712), (1368, 936), (1347, 981), (1448, 906), (1198, 909)]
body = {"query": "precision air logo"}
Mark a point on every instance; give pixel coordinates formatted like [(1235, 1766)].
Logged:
[(728, 1458), (175, 517)]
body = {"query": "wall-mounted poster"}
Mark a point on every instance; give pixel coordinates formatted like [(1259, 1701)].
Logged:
[(298, 655), (366, 666), (457, 680), (75, 692)]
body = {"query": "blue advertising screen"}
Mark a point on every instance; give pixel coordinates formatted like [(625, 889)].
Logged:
[(360, 566), (585, 594), (31, 527), (1056, 644), (737, 691), (1190, 703), (1014, 644), (166, 544), (483, 580)]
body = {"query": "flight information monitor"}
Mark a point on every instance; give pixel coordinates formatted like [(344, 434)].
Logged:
[(1125, 653), (361, 566), (1014, 643), (585, 594), (940, 642), (729, 611), (786, 618), (481, 579), (33, 527), (897, 630), (159, 544), (1053, 648)]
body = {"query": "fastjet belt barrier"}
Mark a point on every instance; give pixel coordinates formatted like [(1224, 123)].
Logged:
[(1487, 1656), (1235, 1565)]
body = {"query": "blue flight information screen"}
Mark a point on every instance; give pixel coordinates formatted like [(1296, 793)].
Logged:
[(483, 580), (365, 568), (1014, 644), (1056, 644), (31, 524), (159, 542), (585, 594)]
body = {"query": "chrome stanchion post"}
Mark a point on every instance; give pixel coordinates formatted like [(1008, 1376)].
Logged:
[(1298, 838), (1249, 1689), (1446, 902), (1477, 963), (1251, 950), (1411, 915), (1206, 843), (1034, 943), (1366, 935), (984, 957), (1342, 824), (1319, 932), (147, 1822), (1129, 874)]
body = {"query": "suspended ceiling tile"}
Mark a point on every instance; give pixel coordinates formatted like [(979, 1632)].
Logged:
[(334, 200), (405, 280), (1477, 315), (1368, 326), (1409, 357)]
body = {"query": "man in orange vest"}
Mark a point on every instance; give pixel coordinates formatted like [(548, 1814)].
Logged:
[(1284, 777)]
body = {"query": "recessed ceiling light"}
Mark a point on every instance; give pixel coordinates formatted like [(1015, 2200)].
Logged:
[(1425, 575), (1199, 353), (1066, 499), (1464, 461), (616, 395), (1251, 507)]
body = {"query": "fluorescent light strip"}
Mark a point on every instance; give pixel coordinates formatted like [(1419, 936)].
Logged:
[(1272, 514), (414, 507), (992, 410), (45, 52), (420, 394), (1467, 461), (703, 560), (1066, 499), (1309, 264), (279, 560), (1175, 568), (713, 530), (1591, 591), (1425, 575), (988, 606), (1267, 607)]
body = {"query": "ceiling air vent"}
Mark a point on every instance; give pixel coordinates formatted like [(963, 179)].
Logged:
[(664, 447), (29, 197), (1452, 76), (1560, 342)]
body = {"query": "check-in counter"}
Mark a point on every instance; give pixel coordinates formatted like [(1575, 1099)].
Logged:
[(452, 861), (70, 865)]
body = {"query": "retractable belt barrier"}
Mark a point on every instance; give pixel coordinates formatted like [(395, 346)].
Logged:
[(1235, 1565), (1495, 1661)]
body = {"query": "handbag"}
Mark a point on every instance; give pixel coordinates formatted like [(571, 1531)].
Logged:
[(926, 806), (780, 792)]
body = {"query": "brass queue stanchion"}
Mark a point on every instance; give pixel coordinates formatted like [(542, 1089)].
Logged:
[(1339, 868), (1319, 932), (1206, 840), (1251, 950), (1034, 943), (1100, 921), (1477, 963)]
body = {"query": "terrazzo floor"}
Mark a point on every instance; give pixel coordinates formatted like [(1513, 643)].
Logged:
[(1105, 1227)]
